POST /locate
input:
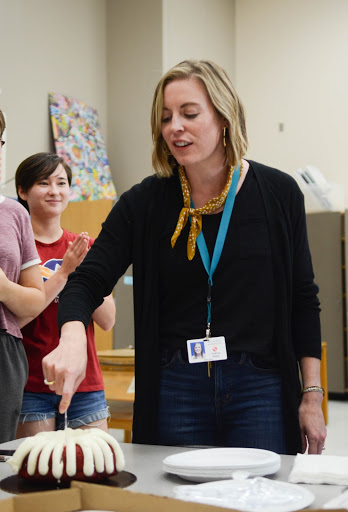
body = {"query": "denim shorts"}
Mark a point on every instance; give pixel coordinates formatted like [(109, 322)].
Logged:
[(85, 408)]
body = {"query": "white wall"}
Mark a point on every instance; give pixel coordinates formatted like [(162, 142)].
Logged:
[(291, 68), (144, 40), (199, 29), (134, 56), (288, 59), (48, 46), (109, 54)]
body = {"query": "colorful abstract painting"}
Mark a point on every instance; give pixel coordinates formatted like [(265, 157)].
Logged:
[(78, 139)]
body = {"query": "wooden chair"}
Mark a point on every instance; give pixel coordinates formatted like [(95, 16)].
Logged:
[(323, 378), (121, 419)]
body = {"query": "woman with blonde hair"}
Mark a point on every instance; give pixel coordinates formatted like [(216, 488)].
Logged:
[(220, 255)]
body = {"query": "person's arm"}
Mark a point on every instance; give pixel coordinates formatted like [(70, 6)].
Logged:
[(65, 367), (104, 315), (73, 256), (108, 259), (25, 298), (311, 416), (306, 332)]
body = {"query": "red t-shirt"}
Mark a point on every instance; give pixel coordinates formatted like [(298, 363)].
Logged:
[(40, 336)]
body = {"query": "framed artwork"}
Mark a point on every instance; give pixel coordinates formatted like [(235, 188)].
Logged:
[(78, 139)]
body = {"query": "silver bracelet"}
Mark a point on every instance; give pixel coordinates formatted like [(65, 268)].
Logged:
[(313, 388)]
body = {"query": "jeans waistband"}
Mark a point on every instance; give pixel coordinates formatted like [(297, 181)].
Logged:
[(234, 355)]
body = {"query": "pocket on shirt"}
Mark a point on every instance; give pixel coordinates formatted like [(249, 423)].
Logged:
[(254, 238)]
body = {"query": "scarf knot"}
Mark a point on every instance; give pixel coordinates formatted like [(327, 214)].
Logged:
[(195, 214)]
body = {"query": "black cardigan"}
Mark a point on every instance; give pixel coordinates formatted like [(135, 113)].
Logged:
[(130, 235)]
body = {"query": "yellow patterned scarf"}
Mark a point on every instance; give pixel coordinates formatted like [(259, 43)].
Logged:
[(196, 213)]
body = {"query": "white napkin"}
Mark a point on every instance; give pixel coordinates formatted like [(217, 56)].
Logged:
[(319, 469)]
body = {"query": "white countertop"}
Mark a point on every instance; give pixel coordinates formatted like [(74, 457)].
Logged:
[(145, 462)]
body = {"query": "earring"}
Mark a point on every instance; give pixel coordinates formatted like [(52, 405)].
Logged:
[(224, 136)]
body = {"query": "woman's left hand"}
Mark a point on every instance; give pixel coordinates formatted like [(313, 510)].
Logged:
[(312, 423)]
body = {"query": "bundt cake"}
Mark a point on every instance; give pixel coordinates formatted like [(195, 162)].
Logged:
[(70, 454)]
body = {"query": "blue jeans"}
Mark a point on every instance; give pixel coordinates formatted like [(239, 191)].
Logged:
[(239, 405), (85, 408)]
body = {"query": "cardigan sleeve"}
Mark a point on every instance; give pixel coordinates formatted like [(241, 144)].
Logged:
[(119, 243), (305, 304), (109, 257)]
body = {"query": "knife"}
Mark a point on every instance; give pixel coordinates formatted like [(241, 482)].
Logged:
[(5, 455)]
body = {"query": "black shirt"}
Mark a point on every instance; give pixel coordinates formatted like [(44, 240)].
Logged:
[(243, 287)]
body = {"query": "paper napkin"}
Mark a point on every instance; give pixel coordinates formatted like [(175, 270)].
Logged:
[(319, 469)]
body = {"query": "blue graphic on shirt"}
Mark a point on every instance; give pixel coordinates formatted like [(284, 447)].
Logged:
[(48, 269)]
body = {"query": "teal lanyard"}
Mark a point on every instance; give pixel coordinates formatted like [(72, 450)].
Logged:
[(210, 266)]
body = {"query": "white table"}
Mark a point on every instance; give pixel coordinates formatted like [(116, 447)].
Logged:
[(145, 462)]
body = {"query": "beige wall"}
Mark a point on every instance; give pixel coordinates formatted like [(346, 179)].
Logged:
[(109, 54), (291, 68), (199, 29), (288, 60), (48, 46), (134, 54), (144, 40)]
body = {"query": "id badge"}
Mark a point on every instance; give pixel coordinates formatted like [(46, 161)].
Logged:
[(206, 349)]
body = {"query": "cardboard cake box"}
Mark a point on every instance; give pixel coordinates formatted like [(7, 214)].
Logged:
[(82, 496)]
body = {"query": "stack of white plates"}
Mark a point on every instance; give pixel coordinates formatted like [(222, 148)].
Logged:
[(212, 464)]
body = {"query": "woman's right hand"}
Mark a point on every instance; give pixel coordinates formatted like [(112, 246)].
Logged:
[(75, 254), (66, 365)]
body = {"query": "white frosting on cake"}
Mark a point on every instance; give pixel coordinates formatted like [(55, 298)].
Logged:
[(97, 447)]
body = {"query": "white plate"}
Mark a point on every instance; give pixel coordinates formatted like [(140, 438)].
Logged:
[(252, 495), (219, 463), (221, 458), (212, 476)]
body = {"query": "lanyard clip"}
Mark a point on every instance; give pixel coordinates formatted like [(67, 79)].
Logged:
[(207, 331)]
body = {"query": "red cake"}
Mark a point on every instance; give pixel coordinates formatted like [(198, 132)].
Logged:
[(70, 454)]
